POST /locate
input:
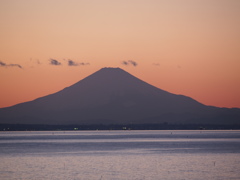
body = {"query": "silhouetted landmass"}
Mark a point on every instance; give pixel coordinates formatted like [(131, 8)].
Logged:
[(111, 98), (40, 127)]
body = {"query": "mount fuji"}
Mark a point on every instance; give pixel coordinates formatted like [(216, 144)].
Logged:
[(113, 96)]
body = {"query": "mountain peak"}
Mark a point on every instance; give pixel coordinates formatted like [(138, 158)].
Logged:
[(112, 75), (111, 69), (107, 68), (112, 96)]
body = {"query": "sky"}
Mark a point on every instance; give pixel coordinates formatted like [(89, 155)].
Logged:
[(188, 47)]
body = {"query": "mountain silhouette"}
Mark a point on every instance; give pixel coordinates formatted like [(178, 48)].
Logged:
[(113, 96)]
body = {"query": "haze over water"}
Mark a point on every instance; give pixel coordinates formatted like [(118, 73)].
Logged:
[(120, 155)]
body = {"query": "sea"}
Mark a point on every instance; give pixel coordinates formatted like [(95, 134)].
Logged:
[(120, 155)]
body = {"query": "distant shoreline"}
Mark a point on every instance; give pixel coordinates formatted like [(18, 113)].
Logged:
[(164, 126)]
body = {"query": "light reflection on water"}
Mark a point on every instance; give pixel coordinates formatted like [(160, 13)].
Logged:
[(120, 155)]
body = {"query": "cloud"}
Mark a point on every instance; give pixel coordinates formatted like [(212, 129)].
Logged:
[(84, 64), (54, 62), (156, 64), (9, 65), (132, 62), (2, 63), (17, 65), (72, 63), (129, 62), (35, 61), (38, 62)]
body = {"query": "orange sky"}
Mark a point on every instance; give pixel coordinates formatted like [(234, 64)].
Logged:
[(189, 47)]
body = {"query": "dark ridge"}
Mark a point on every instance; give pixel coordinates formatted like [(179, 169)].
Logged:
[(77, 127)]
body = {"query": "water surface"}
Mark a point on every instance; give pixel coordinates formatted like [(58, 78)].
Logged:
[(120, 155)]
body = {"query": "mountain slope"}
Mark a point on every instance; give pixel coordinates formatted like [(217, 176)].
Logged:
[(113, 96)]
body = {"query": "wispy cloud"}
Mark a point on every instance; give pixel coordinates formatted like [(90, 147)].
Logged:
[(54, 62), (84, 64), (2, 64), (156, 64), (124, 62), (73, 63), (129, 62), (35, 61)]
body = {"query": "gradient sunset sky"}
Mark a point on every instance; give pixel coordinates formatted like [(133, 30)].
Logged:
[(189, 47)]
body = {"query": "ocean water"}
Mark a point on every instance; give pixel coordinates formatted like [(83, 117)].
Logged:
[(119, 155)]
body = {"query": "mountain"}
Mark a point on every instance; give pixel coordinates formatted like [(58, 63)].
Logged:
[(113, 96)]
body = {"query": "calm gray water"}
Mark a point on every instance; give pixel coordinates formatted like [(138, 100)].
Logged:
[(153, 155)]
